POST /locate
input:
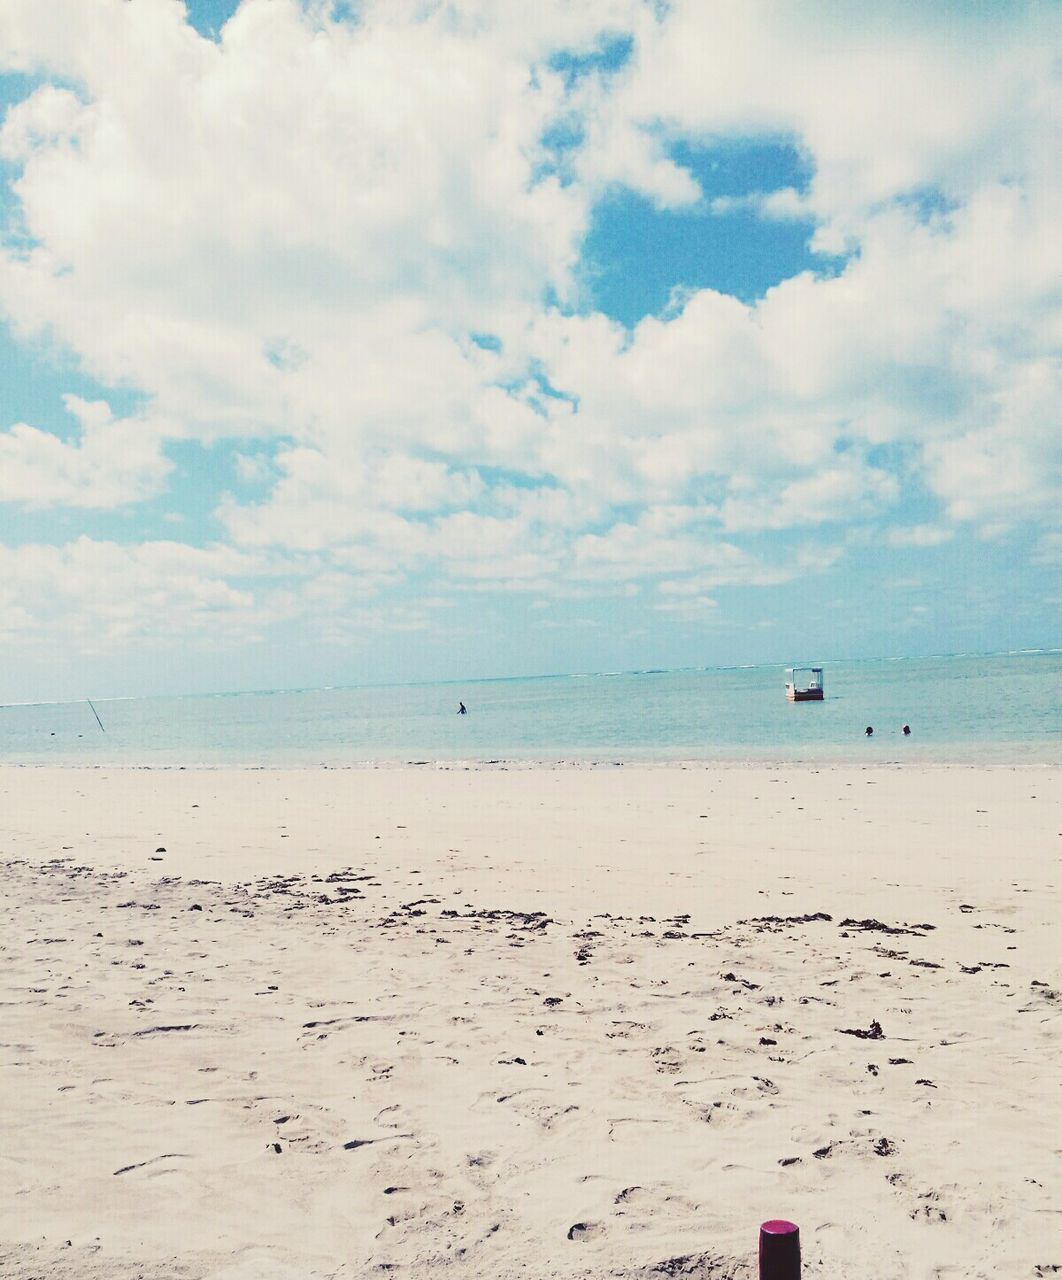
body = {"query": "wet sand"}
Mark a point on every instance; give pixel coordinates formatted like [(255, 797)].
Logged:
[(529, 1022)]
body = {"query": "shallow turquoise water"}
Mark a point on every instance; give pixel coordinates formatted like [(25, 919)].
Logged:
[(999, 708)]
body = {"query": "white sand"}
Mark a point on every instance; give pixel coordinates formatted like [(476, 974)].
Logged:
[(625, 1085)]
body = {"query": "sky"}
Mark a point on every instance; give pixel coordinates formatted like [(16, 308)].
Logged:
[(367, 341)]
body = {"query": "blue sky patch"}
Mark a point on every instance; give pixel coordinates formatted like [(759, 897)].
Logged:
[(201, 475), (209, 16), (536, 377), (635, 255), (560, 142), (743, 168), (610, 54), (16, 87), (486, 341), (507, 477), (34, 380), (929, 204), (57, 525)]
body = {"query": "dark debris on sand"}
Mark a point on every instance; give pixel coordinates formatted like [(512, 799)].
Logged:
[(873, 1032)]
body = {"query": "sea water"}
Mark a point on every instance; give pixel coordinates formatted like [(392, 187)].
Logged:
[(1001, 708)]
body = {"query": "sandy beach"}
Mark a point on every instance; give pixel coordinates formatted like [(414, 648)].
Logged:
[(537, 1022)]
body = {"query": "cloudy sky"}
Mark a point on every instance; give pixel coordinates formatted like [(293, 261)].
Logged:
[(371, 340)]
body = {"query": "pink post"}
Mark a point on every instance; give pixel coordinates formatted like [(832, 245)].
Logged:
[(779, 1250)]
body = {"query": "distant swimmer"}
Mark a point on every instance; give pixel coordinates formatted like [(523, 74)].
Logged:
[(906, 731), (869, 731), (462, 710)]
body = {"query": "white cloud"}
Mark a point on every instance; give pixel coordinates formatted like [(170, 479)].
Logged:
[(845, 492), (1010, 468), (101, 595), (785, 204), (884, 102), (693, 607), (252, 468), (920, 535), (730, 566), (273, 188), (49, 118), (113, 462)]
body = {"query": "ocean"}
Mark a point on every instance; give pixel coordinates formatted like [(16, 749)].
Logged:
[(1003, 708)]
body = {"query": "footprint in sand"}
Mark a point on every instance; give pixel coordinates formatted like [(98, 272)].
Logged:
[(624, 1030), (929, 1208), (640, 1203), (580, 1231), (667, 1060)]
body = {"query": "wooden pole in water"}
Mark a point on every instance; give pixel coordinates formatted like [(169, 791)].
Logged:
[(97, 715)]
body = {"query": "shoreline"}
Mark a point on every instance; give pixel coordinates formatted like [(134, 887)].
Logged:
[(599, 761), (570, 1022)]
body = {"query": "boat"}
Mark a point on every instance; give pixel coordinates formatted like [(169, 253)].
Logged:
[(800, 688)]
